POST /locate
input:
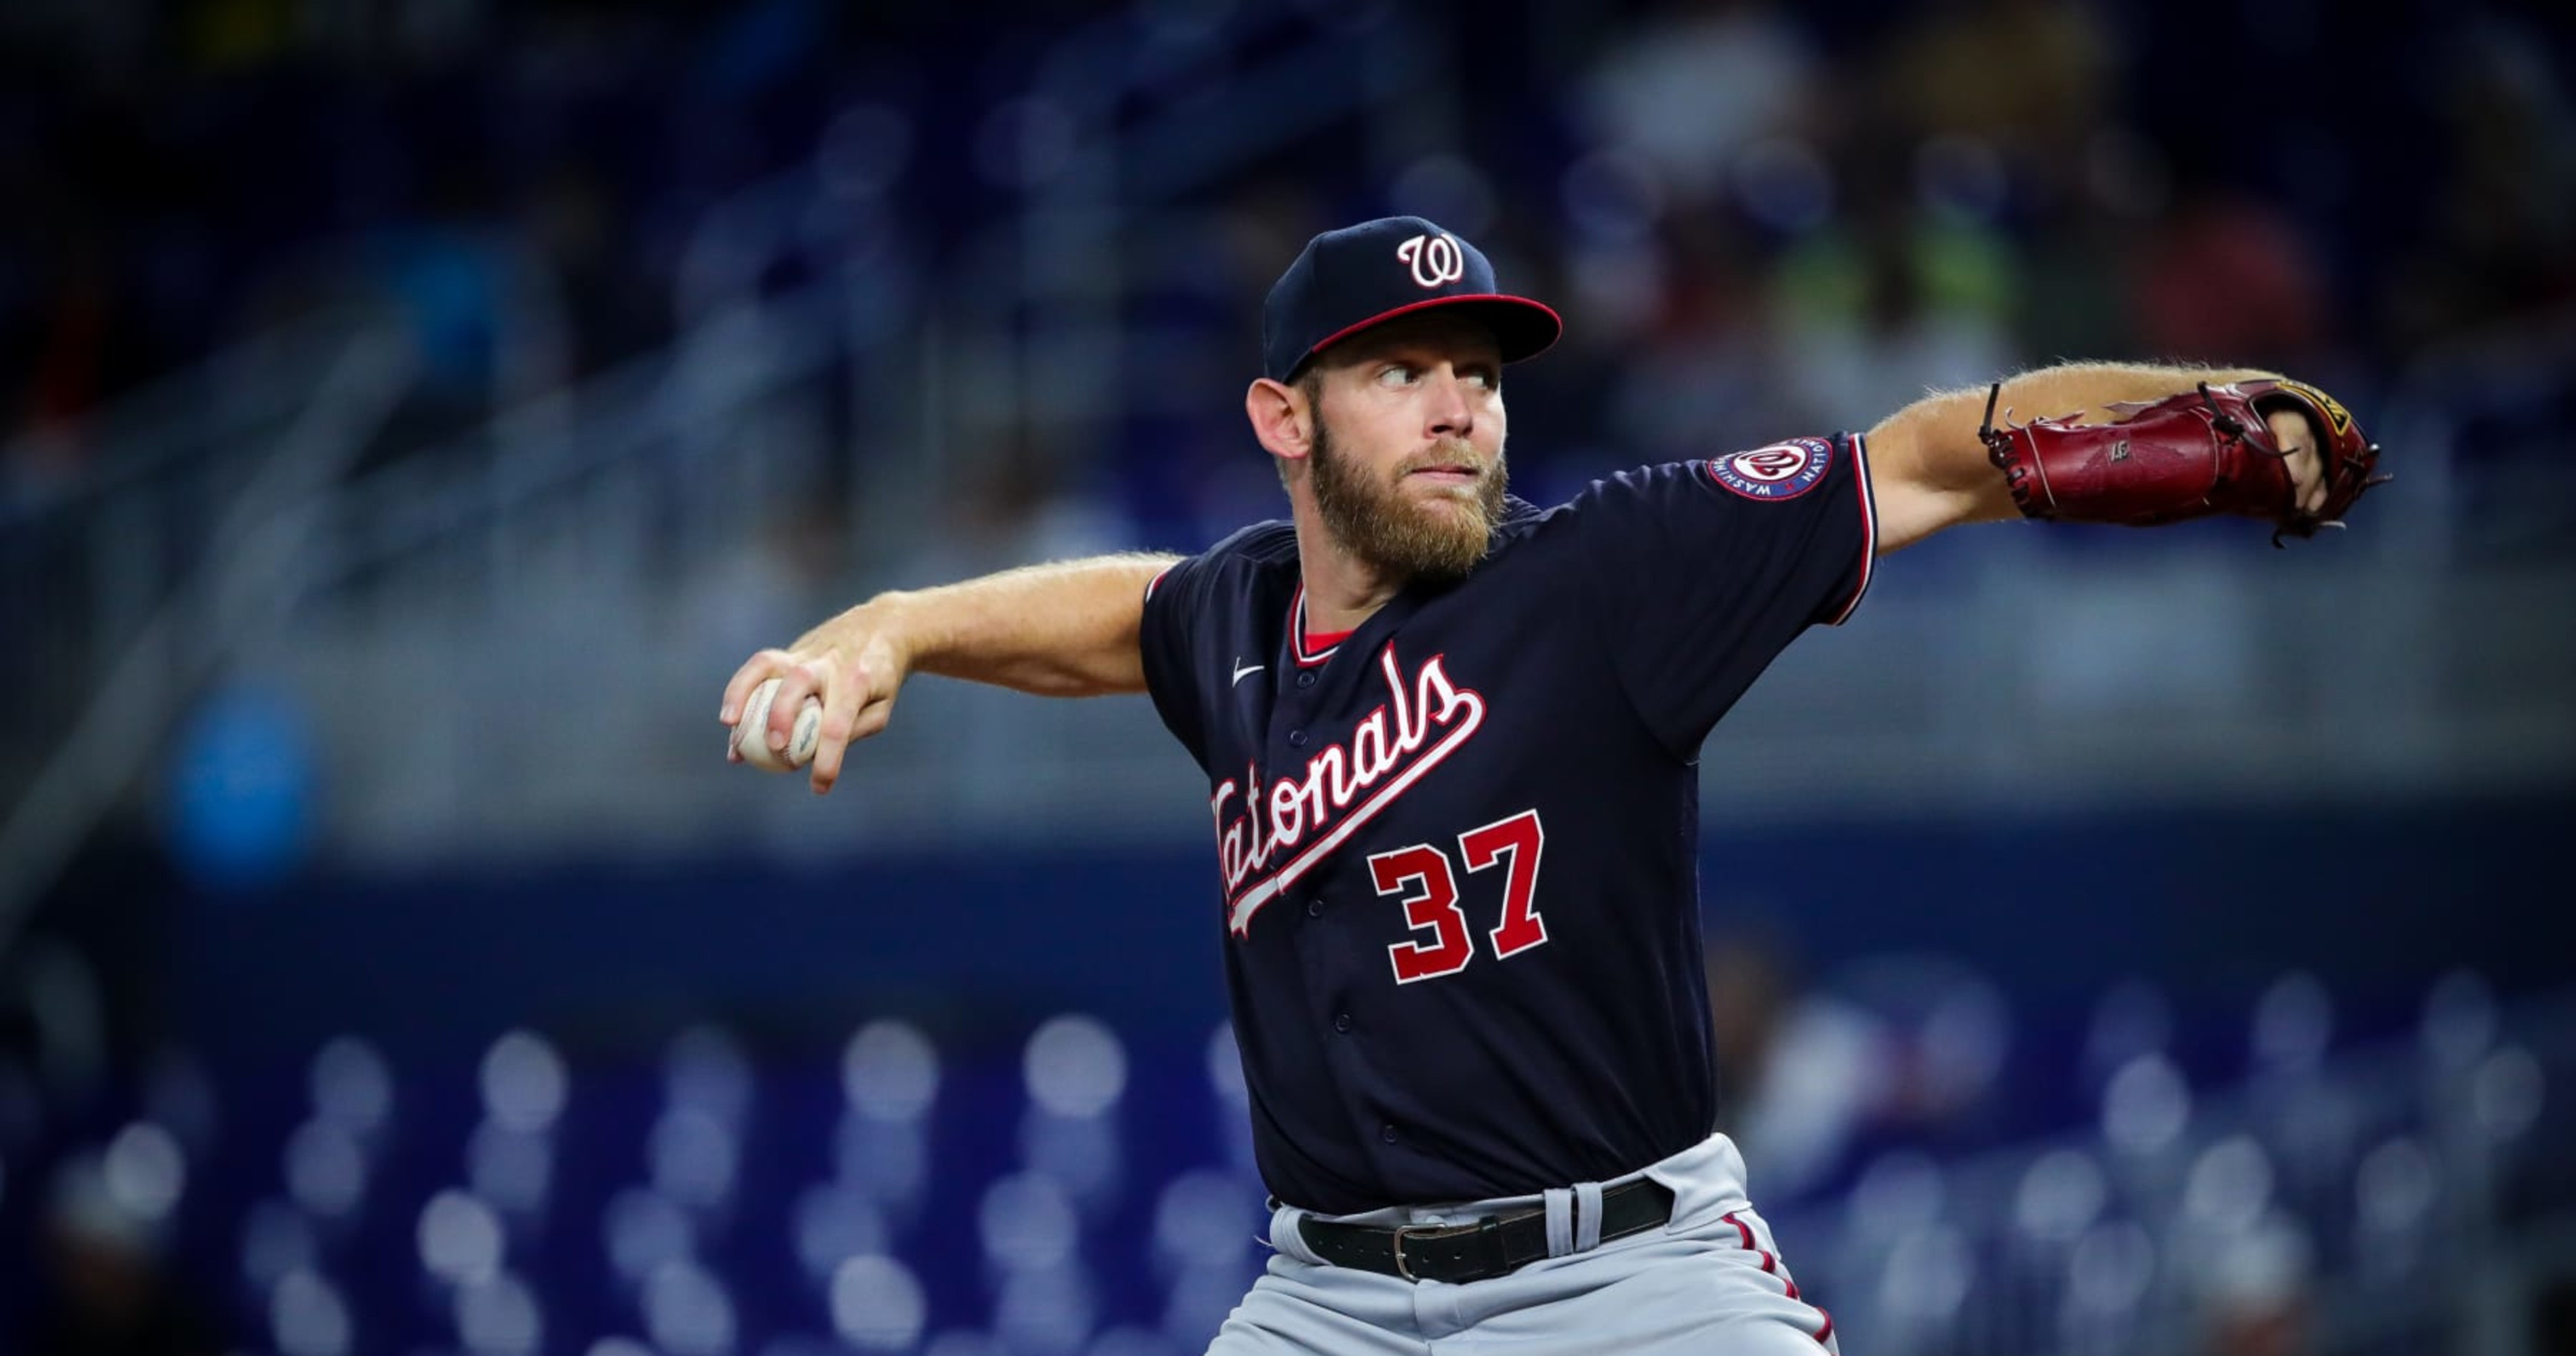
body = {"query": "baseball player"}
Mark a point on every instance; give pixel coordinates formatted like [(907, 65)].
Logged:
[(1451, 742)]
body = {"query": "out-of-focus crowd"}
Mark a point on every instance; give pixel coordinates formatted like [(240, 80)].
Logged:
[(1760, 218)]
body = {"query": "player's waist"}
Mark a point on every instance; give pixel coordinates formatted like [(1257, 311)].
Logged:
[(1495, 1245), (1477, 1240)]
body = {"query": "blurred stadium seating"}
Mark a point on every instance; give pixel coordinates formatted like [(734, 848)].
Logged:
[(1088, 1196), (413, 411)]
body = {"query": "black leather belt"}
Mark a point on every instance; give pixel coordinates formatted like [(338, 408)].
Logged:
[(1459, 1253)]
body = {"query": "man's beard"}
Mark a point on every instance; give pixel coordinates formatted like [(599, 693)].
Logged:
[(1379, 524)]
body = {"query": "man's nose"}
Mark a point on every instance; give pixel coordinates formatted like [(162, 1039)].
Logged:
[(1451, 413)]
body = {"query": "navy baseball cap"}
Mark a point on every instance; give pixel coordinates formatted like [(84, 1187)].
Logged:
[(1348, 280)]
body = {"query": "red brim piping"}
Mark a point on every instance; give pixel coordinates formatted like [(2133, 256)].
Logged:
[(1517, 341)]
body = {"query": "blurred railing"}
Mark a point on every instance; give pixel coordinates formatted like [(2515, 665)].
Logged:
[(155, 565), (91, 546)]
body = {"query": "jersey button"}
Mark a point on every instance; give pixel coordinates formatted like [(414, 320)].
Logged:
[(1315, 907), (1342, 1022), (1387, 1133), (1296, 739), (1305, 680)]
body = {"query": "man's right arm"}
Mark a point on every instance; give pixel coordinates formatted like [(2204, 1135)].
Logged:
[(1064, 630)]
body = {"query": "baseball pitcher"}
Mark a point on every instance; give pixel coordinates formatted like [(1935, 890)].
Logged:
[(1451, 743)]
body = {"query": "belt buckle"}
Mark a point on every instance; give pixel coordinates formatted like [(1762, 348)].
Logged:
[(1404, 1268)]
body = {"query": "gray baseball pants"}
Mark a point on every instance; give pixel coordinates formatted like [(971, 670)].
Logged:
[(1710, 1280)]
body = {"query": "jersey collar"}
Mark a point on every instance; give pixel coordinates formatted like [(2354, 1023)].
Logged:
[(1518, 514), (1306, 658)]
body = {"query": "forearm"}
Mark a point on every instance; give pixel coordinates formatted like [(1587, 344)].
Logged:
[(1068, 629), (1931, 471), (2089, 389)]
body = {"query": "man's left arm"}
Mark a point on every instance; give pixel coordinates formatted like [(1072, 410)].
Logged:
[(2205, 441)]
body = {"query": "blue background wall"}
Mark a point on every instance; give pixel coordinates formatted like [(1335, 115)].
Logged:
[(2054, 908)]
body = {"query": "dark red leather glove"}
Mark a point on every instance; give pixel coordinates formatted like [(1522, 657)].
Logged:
[(2203, 452)]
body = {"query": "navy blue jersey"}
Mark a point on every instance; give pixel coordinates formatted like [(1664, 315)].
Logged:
[(1459, 848)]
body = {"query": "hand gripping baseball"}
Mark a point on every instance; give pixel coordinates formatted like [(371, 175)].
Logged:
[(849, 662), (2235, 449)]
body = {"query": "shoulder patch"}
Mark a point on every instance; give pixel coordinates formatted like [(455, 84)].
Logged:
[(1782, 470)]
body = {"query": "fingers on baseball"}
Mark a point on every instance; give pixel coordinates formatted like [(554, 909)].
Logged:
[(860, 708), (830, 753), (840, 715), (754, 671), (801, 679)]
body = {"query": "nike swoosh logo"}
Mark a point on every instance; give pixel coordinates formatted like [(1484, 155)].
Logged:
[(1243, 671)]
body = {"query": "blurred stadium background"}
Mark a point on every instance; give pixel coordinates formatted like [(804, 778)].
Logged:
[(413, 410)]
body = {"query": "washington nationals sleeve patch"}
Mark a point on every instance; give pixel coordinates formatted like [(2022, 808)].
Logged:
[(1779, 471)]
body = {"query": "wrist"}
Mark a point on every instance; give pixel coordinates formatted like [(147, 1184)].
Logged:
[(889, 627)]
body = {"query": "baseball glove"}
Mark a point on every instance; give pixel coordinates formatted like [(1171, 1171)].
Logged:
[(2203, 452)]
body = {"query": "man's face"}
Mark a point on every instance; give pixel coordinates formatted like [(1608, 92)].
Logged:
[(1408, 446)]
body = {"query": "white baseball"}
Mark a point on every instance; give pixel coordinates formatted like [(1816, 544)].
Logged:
[(751, 733)]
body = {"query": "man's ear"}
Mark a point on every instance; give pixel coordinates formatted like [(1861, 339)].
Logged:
[(1280, 418)]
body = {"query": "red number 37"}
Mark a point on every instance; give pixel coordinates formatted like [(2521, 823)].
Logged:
[(1419, 875)]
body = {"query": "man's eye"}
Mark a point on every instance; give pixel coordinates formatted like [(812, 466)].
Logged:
[(1396, 375)]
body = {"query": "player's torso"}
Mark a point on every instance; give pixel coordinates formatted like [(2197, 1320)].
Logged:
[(1459, 893)]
